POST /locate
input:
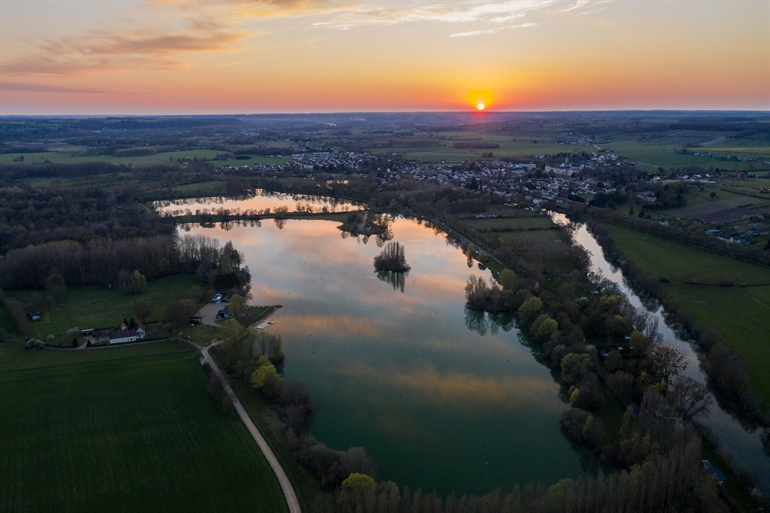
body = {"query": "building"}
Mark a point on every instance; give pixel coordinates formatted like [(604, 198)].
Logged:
[(124, 335)]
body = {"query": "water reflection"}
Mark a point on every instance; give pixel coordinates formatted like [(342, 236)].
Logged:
[(257, 202), (397, 280), (441, 401), (485, 322), (742, 438)]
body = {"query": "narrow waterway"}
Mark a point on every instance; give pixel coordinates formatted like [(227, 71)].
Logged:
[(744, 443)]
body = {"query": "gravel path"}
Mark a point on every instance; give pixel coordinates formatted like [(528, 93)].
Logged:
[(283, 479)]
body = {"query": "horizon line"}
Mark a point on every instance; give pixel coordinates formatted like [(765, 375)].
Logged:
[(353, 112)]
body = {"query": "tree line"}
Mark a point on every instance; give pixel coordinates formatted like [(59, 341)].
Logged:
[(724, 366)]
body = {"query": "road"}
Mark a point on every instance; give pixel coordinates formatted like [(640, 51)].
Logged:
[(283, 479)]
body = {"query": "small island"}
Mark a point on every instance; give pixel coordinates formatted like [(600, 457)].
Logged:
[(392, 258)]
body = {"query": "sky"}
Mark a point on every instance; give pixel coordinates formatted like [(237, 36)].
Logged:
[(136, 57)]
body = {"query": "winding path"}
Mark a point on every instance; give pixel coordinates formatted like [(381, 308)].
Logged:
[(283, 479)]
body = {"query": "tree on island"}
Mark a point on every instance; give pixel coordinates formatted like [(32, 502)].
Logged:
[(392, 258)]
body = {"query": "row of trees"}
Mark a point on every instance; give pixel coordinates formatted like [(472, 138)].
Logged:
[(108, 261), (247, 352), (676, 482), (724, 366)]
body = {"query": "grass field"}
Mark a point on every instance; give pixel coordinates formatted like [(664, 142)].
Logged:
[(305, 483), (167, 158), (123, 429), (742, 322), (512, 224), (677, 262), (738, 315), (663, 155), (95, 306), (545, 235)]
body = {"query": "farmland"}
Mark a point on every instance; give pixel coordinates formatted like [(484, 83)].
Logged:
[(741, 321), (126, 429), (679, 263), (740, 315), (171, 158)]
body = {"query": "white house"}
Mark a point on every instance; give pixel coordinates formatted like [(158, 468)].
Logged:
[(124, 335)]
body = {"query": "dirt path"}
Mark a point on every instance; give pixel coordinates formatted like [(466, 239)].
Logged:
[(283, 479)]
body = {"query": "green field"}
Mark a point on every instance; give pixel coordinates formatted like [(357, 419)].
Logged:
[(740, 315), (512, 224), (95, 306), (663, 155), (742, 323), (167, 158), (306, 484), (123, 429), (677, 262)]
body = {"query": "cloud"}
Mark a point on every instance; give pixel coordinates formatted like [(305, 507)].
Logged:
[(42, 88), (491, 31), (153, 48), (475, 33), (461, 12)]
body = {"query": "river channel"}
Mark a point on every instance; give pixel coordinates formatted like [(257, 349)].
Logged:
[(441, 400), (744, 442)]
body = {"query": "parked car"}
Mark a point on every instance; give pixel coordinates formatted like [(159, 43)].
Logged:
[(217, 299)]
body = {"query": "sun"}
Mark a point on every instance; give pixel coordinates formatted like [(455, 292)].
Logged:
[(480, 106)]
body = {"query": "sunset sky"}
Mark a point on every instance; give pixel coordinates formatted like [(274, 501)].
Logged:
[(250, 56)]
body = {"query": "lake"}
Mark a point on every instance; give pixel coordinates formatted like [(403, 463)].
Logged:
[(258, 201), (442, 399)]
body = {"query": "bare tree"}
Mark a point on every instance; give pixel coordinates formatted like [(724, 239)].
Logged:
[(689, 397)]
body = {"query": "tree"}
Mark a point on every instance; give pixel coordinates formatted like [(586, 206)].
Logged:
[(235, 305), (574, 367), (689, 397), (544, 328), (621, 384), (177, 312), (392, 258), (508, 279), (354, 490), (664, 363), (137, 283), (263, 374), (476, 292), (56, 287), (529, 309)]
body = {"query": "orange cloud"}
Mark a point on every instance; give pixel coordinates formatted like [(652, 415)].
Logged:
[(147, 48)]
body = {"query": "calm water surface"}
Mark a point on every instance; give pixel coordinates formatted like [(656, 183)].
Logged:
[(438, 405), (260, 200)]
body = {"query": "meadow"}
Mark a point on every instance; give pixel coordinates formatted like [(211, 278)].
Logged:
[(742, 322), (740, 315), (512, 223), (679, 263), (123, 429), (95, 306), (164, 158)]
